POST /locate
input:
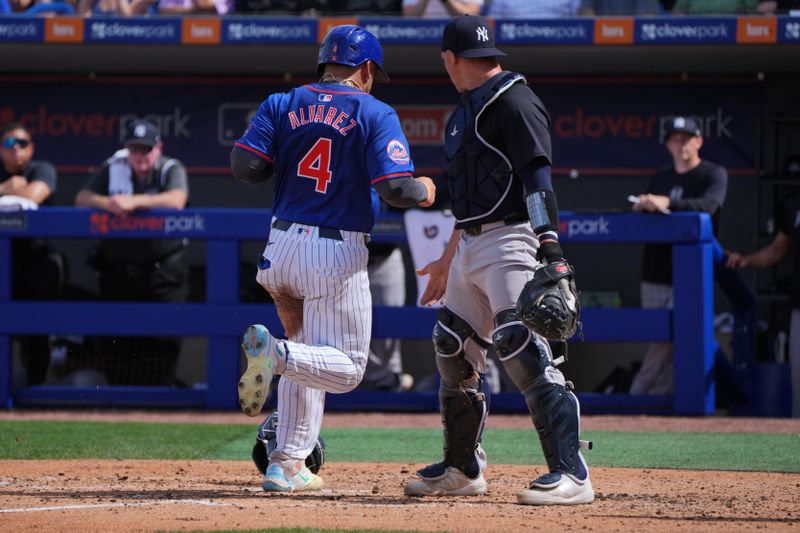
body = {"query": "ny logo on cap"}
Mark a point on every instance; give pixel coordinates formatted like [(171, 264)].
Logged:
[(140, 131), (483, 33), (679, 122)]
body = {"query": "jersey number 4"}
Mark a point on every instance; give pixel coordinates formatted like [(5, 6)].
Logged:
[(316, 164)]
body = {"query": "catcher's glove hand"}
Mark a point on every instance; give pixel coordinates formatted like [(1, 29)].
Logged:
[(549, 303)]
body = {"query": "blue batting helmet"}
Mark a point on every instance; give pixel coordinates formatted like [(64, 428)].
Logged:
[(352, 46)]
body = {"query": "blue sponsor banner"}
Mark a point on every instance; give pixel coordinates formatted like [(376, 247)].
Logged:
[(680, 30), (269, 30), (133, 30), (619, 130), (544, 31), (789, 30), (405, 31), (21, 29)]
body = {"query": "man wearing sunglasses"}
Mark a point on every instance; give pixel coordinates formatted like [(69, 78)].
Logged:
[(39, 271), (20, 175), (136, 178)]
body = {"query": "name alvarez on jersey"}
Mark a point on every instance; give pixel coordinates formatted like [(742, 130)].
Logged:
[(317, 114)]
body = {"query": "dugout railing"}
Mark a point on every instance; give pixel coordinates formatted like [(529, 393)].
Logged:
[(222, 318)]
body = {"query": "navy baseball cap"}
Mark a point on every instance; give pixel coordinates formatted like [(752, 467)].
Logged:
[(470, 36), (684, 125), (142, 132)]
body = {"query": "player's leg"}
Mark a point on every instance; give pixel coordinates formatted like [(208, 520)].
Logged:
[(554, 409), (337, 317), (387, 286), (296, 436), (460, 358), (655, 374), (528, 361)]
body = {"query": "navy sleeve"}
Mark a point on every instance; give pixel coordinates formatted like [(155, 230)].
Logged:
[(525, 126)]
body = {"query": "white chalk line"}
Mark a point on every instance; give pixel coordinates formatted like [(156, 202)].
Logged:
[(207, 503)]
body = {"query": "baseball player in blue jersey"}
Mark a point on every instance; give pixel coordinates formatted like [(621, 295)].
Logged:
[(333, 149)]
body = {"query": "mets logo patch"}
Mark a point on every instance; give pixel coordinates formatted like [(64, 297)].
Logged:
[(397, 152)]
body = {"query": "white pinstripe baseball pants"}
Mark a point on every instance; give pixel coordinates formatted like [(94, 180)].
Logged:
[(321, 291)]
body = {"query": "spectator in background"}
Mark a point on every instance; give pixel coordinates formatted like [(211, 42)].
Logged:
[(688, 184), (39, 272), (364, 7), (122, 8), (18, 6), (667, 5), (788, 223), (530, 9), (777, 7), (136, 178), (714, 7), (613, 8), (441, 8), (196, 7), (309, 8)]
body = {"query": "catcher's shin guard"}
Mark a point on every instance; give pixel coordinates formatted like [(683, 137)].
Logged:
[(553, 407), (463, 403), (463, 418), (555, 414)]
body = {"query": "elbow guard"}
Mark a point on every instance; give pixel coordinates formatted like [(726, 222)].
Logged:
[(249, 168)]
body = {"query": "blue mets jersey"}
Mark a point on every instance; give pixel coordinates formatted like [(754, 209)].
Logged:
[(329, 144)]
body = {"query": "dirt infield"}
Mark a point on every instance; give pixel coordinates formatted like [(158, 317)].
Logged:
[(116, 496)]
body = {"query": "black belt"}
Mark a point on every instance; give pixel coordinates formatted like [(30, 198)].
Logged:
[(480, 228), (324, 233)]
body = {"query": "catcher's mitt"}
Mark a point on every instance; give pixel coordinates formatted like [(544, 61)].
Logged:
[(549, 303), (266, 440)]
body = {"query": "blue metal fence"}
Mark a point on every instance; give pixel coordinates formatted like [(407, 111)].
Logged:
[(221, 318)]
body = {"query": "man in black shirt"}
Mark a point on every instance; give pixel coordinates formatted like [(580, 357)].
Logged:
[(788, 220), (497, 162), (39, 271), (688, 184)]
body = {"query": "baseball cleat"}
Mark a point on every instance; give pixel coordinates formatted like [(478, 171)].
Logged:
[(452, 483), (261, 350), (557, 488), (278, 479)]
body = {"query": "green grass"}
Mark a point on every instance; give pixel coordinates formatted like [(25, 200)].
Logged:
[(135, 440)]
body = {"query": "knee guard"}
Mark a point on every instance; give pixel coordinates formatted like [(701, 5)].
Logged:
[(462, 402), (450, 335), (553, 407)]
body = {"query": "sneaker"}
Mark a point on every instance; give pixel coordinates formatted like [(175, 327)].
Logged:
[(450, 482), (557, 488), (261, 351), (279, 479)]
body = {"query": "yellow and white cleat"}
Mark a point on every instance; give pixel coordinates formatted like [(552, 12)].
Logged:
[(261, 350)]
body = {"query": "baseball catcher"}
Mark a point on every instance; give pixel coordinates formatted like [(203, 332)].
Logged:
[(266, 440), (548, 304)]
